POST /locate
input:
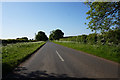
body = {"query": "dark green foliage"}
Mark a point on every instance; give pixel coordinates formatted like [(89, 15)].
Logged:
[(92, 38), (51, 36), (84, 38), (56, 34), (111, 37), (25, 38), (9, 41), (103, 16), (101, 39), (41, 36)]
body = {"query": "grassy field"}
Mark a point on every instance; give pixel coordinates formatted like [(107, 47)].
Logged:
[(108, 52), (14, 54)]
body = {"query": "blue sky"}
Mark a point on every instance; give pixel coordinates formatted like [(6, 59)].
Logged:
[(24, 19)]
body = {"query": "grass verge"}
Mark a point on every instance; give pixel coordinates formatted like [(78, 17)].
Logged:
[(14, 54), (105, 51)]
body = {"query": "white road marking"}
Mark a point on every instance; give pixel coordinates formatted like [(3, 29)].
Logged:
[(59, 56)]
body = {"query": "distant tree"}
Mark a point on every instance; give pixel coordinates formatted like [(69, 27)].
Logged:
[(103, 16), (25, 38), (56, 34), (41, 36), (51, 36)]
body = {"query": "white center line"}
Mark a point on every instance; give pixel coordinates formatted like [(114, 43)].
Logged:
[(59, 56)]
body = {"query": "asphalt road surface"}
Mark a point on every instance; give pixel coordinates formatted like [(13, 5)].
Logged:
[(56, 61)]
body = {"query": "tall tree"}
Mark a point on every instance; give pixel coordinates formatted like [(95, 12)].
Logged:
[(41, 36), (103, 16), (56, 34)]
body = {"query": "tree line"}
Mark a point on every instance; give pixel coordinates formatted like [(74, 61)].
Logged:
[(111, 37), (9, 41), (40, 36)]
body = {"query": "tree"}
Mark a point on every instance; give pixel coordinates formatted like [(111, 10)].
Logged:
[(51, 36), (25, 38), (41, 36), (56, 34), (103, 16)]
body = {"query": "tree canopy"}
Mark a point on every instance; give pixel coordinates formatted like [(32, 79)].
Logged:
[(41, 36), (103, 16), (56, 34)]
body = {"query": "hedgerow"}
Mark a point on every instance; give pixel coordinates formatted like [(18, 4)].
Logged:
[(111, 37)]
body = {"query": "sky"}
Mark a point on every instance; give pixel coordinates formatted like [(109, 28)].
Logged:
[(24, 19)]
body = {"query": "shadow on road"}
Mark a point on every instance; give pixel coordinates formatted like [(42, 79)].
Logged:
[(40, 75)]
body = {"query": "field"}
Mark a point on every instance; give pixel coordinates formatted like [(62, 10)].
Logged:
[(108, 52), (14, 54)]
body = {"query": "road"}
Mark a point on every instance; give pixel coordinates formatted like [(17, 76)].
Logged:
[(56, 61)]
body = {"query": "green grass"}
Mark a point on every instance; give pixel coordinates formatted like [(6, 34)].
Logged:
[(14, 54), (105, 51)]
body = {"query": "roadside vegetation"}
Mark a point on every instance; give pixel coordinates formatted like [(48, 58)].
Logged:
[(14, 54), (17, 40), (104, 51), (105, 45)]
